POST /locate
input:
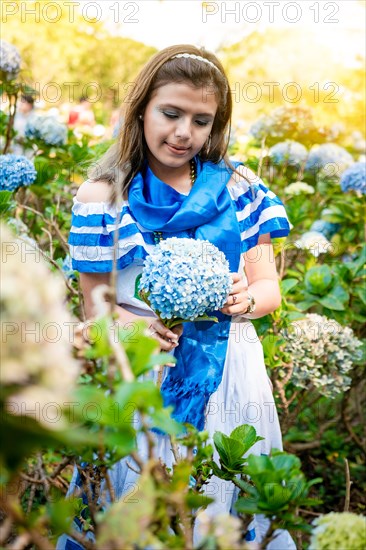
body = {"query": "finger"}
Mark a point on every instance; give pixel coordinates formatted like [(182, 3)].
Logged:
[(232, 309), (233, 299), (170, 335), (166, 345), (163, 332), (178, 330), (235, 277), (238, 287)]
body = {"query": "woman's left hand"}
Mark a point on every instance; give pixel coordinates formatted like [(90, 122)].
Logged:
[(237, 302)]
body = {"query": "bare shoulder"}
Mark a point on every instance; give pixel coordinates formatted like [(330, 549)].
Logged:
[(243, 174), (94, 191)]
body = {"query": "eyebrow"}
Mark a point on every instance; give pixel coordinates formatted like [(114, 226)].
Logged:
[(170, 106)]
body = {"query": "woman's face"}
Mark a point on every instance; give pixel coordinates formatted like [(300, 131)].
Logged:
[(177, 122)]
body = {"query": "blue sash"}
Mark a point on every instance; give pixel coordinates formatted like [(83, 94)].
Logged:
[(206, 213)]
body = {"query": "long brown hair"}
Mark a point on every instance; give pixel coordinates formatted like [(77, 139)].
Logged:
[(125, 158)]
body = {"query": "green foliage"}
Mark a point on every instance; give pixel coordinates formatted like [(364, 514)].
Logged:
[(232, 449), (277, 489)]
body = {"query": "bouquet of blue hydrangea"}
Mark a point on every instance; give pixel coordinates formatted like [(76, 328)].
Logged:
[(185, 280)]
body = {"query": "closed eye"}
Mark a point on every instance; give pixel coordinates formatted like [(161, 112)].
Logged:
[(170, 115), (175, 115)]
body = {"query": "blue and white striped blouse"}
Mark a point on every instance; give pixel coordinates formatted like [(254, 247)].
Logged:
[(91, 238)]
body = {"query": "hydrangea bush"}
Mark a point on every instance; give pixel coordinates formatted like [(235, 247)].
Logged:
[(9, 60), (354, 178), (290, 152), (321, 156), (315, 242), (344, 531), (47, 129), (323, 353), (328, 229), (185, 279), (299, 188), (16, 171), (37, 366)]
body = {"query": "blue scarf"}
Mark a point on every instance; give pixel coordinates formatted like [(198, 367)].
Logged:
[(206, 213)]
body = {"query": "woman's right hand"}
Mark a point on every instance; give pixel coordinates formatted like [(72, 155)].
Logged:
[(167, 338)]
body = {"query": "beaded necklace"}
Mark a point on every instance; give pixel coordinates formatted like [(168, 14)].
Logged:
[(158, 235)]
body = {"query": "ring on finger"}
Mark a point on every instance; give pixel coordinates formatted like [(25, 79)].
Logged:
[(234, 299)]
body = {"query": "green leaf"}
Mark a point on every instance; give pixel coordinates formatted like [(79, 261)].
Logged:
[(140, 395), (360, 292), (259, 464), (137, 288), (246, 435), (336, 299), (287, 285), (195, 500), (271, 344), (230, 450), (162, 419), (332, 303), (122, 441), (284, 461), (246, 506), (7, 202), (318, 279)]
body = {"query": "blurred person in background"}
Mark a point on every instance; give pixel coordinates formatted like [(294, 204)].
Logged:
[(25, 111), (82, 114)]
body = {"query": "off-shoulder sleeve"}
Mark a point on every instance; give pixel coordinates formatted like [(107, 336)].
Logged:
[(91, 237), (258, 211)]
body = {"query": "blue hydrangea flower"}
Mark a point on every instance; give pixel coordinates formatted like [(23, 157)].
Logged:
[(328, 229), (48, 129), (292, 152), (9, 60), (260, 128), (354, 178), (328, 154), (15, 171), (67, 268), (185, 279)]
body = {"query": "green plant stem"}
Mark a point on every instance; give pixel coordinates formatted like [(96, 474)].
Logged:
[(12, 111), (121, 358), (269, 535), (347, 424), (348, 486)]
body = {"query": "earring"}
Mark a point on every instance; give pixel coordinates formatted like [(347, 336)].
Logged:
[(140, 117)]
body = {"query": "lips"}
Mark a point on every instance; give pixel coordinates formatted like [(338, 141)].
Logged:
[(177, 148)]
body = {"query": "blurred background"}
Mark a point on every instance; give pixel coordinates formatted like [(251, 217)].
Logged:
[(275, 53)]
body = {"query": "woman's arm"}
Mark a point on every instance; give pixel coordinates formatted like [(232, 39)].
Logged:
[(168, 339), (261, 273)]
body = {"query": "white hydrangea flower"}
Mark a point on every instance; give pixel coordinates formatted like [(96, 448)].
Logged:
[(299, 188), (323, 353), (315, 242), (341, 530), (37, 365)]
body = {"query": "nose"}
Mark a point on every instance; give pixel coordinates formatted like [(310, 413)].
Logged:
[(183, 128)]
